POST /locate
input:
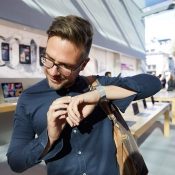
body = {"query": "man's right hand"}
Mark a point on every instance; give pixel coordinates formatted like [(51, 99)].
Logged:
[(56, 118)]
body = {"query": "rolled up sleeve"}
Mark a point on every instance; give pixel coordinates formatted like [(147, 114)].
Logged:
[(144, 85)]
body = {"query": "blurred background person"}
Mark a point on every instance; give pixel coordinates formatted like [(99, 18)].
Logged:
[(171, 83), (108, 74)]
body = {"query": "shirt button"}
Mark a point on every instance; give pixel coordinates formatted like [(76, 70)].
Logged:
[(79, 152), (75, 131)]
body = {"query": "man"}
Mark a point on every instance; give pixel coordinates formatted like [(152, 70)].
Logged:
[(108, 74), (58, 120)]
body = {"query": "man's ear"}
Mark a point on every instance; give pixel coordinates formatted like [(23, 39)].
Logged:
[(84, 64)]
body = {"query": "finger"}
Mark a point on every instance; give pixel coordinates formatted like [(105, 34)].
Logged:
[(74, 105), (72, 115), (57, 107), (66, 99), (58, 114), (69, 121), (75, 109), (74, 119), (54, 106)]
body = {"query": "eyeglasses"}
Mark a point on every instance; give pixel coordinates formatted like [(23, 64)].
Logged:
[(63, 69)]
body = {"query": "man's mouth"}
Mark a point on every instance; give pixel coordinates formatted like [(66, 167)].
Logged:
[(57, 79)]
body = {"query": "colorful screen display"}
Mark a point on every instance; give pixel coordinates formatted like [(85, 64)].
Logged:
[(13, 89)]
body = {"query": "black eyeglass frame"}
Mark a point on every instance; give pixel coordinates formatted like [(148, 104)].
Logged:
[(44, 57)]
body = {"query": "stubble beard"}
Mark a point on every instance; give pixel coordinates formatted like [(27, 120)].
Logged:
[(57, 85), (58, 82)]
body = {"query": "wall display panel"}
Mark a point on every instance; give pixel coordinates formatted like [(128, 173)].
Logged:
[(24, 54), (5, 51), (41, 52), (33, 49), (12, 89), (16, 36)]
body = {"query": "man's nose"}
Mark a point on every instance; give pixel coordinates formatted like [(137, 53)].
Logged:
[(54, 70)]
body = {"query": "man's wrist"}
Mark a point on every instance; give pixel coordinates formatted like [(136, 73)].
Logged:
[(102, 93)]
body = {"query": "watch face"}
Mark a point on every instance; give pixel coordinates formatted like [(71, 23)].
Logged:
[(101, 91)]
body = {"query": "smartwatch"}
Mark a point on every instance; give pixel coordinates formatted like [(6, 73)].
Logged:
[(102, 93)]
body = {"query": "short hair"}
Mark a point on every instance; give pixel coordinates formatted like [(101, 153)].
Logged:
[(75, 29)]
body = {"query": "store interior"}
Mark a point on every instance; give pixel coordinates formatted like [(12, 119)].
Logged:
[(130, 37)]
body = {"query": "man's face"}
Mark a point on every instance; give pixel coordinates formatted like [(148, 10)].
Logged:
[(64, 53)]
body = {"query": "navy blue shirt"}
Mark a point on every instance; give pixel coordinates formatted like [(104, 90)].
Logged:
[(88, 149)]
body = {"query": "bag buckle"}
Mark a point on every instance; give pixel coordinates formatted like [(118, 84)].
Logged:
[(124, 136)]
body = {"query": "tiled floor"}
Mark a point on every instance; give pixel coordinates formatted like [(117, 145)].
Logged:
[(158, 152), (5, 169)]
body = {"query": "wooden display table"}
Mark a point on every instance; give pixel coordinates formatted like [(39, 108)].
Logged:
[(140, 124), (167, 96), (7, 107)]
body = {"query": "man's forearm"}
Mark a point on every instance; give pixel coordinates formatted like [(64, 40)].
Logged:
[(116, 92)]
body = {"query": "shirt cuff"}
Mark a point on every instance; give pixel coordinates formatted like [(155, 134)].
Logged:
[(56, 148), (122, 104)]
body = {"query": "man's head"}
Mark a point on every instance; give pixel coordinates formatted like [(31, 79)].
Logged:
[(108, 74), (67, 50)]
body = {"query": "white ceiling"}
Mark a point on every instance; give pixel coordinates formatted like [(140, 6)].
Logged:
[(118, 24)]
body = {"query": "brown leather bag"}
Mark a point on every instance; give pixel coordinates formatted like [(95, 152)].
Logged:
[(128, 156)]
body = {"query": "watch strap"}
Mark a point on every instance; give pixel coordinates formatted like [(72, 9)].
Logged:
[(101, 91)]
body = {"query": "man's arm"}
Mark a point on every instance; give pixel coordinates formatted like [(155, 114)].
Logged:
[(82, 105), (121, 91), (26, 150), (145, 85)]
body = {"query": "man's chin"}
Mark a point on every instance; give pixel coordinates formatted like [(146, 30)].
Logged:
[(56, 85)]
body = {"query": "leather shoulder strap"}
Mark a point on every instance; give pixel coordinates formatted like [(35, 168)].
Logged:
[(91, 81)]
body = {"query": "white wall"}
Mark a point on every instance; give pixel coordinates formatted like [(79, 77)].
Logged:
[(101, 60), (161, 62)]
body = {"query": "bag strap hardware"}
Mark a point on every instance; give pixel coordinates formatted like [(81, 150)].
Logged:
[(124, 137)]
